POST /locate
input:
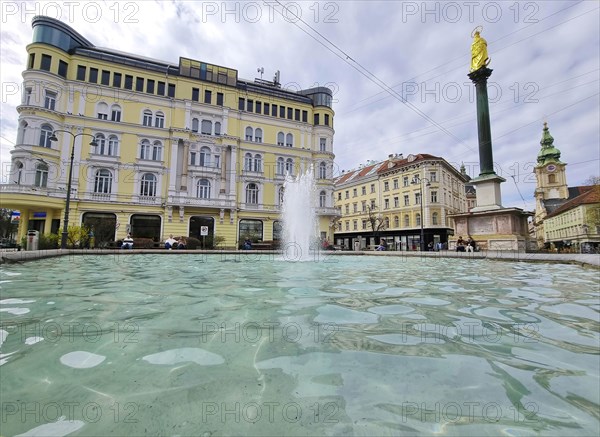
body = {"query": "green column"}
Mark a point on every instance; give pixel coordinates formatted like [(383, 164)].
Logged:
[(486, 160)]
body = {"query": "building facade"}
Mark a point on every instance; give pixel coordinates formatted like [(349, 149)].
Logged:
[(179, 148), (396, 199), (564, 216)]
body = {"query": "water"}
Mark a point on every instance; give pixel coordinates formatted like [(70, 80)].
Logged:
[(299, 219), (248, 345)]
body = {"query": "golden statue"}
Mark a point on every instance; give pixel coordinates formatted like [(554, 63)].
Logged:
[(479, 54)]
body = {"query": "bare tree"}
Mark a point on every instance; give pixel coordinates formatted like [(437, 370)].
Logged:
[(592, 180), (375, 219)]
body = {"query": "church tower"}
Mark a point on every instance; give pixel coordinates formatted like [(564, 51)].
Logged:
[(551, 182)]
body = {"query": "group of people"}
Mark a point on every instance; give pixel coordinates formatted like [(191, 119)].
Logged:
[(465, 246), (172, 243)]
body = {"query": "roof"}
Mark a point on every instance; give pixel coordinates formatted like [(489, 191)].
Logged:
[(359, 173), (586, 195)]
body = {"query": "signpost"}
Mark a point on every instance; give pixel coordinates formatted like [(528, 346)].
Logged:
[(203, 233)]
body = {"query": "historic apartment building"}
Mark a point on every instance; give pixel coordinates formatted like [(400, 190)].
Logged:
[(179, 146), (397, 198), (564, 216)]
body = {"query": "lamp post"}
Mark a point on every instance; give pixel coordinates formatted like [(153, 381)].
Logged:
[(65, 233), (418, 180)]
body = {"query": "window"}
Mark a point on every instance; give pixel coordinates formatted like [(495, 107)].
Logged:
[(206, 127), (250, 105), (205, 157), (289, 140), (41, 175), (322, 170), (266, 109), (192, 158), (128, 82), (203, 189), (62, 68), (105, 78), (355, 208), (406, 200), (157, 151), (249, 134), (405, 181), (117, 80), (290, 113), (323, 144), (115, 113), (363, 190), (322, 199), (386, 186), (347, 225), (354, 192), (386, 223), (326, 119), (220, 99), (252, 194), (316, 119), (195, 94), (147, 120), (305, 116), (159, 120), (418, 216), (217, 128), (248, 162), (208, 97), (50, 100), (396, 221), (434, 219), (551, 178), (274, 110), (257, 163), (150, 86), (148, 185), (433, 195), (347, 194), (372, 188), (364, 224), (45, 134), (280, 139), (355, 225), (19, 167), (386, 203), (113, 146), (396, 202), (258, 135), (396, 185), (251, 229), (103, 182), (151, 152), (347, 208), (160, 89), (31, 60), (406, 221), (340, 195), (373, 204), (102, 111), (46, 62), (145, 150), (282, 112), (363, 206), (417, 198), (258, 107), (280, 167), (27, 96), (241, 104), (195, 124), (297, 114), (433, 176), (101, 144), (139, 84), (289, 166), (93, 75)]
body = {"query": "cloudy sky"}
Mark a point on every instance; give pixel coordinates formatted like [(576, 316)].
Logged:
[(398, 69)]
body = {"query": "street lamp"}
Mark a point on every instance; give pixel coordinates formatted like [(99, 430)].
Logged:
[(417, 180), (65, 233)]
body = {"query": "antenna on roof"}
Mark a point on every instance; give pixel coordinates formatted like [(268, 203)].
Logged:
[(261, 70), (277, 78)]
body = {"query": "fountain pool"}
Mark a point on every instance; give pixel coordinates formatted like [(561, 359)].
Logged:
[(246, 345)]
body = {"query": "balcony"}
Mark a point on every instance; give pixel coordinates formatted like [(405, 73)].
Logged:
[(201, 203)]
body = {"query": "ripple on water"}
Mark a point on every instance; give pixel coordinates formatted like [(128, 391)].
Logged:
[(185, 355), (60, 428), (81, 359), (391, 309), (426, 301), (341, 315)]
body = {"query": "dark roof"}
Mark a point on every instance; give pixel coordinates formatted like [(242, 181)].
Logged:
[(586, 195)]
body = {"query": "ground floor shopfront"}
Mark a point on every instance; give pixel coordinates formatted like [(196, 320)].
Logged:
[(406, 240)]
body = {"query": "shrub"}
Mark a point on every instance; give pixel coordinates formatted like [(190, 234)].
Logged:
[(193, 243), (143, 243), (49, 241)]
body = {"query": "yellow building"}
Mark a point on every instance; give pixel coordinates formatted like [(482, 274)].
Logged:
[(180, 148), (384, 200)]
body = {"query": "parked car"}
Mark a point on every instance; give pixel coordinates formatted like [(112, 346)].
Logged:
[(7, 243)]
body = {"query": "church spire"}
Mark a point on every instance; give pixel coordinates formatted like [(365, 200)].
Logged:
[(549, 153)]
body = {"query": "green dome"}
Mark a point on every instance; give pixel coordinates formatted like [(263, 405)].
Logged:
[(549, 153)]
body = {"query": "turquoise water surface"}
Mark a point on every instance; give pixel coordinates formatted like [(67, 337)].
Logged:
[(185, 345)]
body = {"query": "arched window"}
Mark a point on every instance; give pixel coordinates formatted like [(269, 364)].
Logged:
[(248, 162), (203, 189), (217, 128), (148, 185), (289, 140), (406, 221), (146, 150), (101, 144), (115, 113), (434, 218), (159, 120), (147, 119), (249, 134), (45, 134), (41, 175), (195, 124), (418, 216), (113, 145), (280, 139), (205, 157), (103, 181), (258, 135), (322, 199), (252, 194), (257, 163), (396, 221), (19, 171), (21, 133), (289, 166), (280, 169), (157, 151), (322, 170), (206, 127), (102, 111)]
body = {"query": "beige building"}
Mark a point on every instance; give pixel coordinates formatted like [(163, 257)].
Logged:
[(405, 201)]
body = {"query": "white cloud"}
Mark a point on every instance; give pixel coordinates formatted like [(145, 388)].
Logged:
[(544, 56)]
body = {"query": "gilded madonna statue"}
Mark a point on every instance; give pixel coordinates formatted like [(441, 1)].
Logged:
[(479, 53)]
